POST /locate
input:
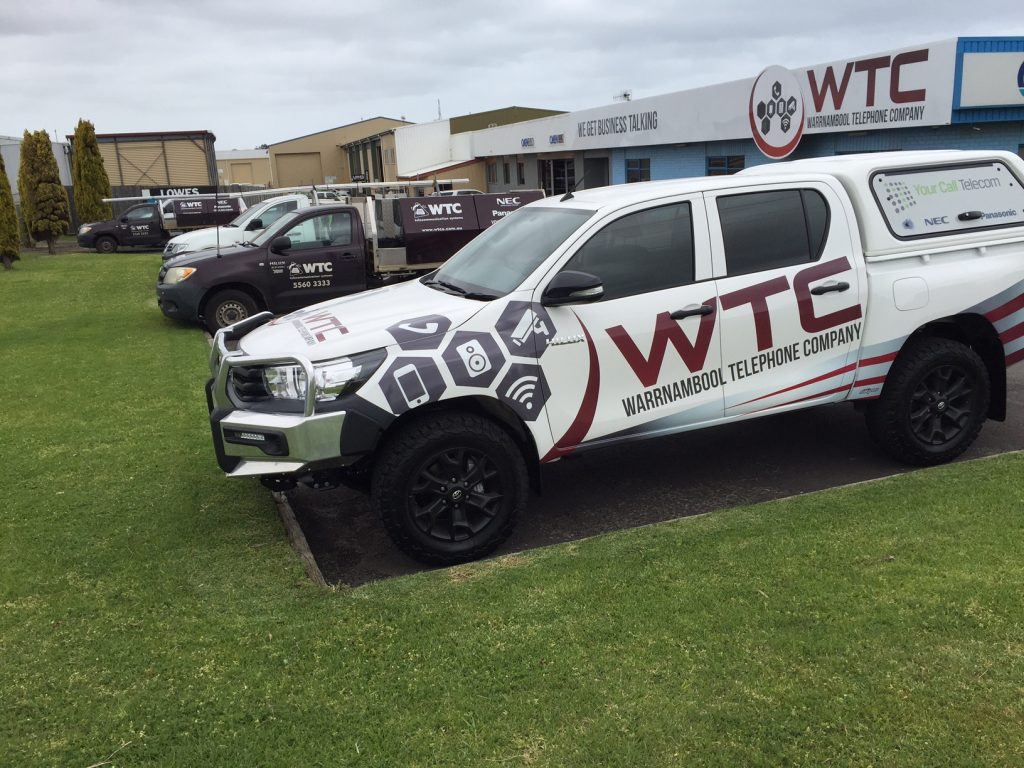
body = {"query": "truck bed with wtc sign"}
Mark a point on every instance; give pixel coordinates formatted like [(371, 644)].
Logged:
[(894, 281)]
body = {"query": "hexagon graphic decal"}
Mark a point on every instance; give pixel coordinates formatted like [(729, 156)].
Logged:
[(525, 390), (425, 332), (411, 381), (473, 359), (525, 328)]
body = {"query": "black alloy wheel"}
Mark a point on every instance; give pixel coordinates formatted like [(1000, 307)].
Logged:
[(449, 486), (941, 406), (933, 404), (455, 494)]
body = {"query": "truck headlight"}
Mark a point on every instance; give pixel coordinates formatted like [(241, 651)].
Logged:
[(177, 274), (85, 228), (331, 379)]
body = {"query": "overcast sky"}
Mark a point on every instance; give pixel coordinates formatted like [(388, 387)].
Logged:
[(257, 72)]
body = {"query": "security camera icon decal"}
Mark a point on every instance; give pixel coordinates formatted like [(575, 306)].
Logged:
[(525, 328)]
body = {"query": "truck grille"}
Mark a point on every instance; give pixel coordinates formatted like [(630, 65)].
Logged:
[(163, 272), (248, 384)]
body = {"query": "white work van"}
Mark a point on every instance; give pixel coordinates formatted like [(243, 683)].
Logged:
[(894, 281)]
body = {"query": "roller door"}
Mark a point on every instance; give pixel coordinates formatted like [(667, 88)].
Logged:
[(296, 168)]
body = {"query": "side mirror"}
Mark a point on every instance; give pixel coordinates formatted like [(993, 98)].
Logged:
[(280, 244), (572, 287), (124, 219), (254, 225)]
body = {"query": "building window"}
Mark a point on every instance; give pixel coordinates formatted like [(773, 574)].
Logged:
[(521, 174), (492, 173), (725, 165), (507, 173), (638, 169), (557, 176)]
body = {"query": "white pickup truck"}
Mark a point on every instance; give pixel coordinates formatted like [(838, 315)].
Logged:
[(895, 281), (246, 227)]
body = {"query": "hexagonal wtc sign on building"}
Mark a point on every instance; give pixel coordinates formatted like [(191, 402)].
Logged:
[(525, 390), (473, 359)]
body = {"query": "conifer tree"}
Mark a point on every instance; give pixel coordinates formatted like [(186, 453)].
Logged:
[(88, 175), (26, 190), (9, 244), (48, 215)]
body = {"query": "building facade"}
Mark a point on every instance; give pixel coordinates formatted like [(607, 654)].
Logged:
[(324, 157), (964, 93), (159, 160), (10, 149), (244, 166), (443, 149)]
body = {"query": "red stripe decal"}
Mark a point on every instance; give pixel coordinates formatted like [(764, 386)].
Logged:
[(588, 408), (1014, 357), (876, 360), (809, 397), (1007, 309), (815, 380), (867, 382), (1011, 333)]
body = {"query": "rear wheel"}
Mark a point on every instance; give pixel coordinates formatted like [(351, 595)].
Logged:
[(106, 244), (449, 487), (226, 308), (934, 403)]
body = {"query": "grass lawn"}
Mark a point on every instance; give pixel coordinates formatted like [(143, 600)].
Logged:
[(151, 609)]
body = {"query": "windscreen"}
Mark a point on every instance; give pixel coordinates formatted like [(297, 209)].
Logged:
[(276, 228), (502, 256)]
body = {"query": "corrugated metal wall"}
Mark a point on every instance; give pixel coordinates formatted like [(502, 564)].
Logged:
[(157, 162)]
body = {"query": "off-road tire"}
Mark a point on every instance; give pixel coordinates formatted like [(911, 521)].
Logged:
[(404, 492), (105, 244), (933, 405), (226, 308)]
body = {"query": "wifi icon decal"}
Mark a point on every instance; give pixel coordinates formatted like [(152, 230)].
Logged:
[(524, 390)]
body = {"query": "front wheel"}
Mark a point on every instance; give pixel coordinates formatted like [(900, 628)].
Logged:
[(106, 244), (226, 308), (934, 403), (449, 487)]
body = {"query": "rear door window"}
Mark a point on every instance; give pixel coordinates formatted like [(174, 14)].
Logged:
[(925, 202), (769, 230)]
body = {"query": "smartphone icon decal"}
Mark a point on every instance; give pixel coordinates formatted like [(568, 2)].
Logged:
[(411, 385)]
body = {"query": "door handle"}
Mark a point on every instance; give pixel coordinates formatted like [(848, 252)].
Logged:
[(348, 255), (830, 287), (970, 215), (690, 311)]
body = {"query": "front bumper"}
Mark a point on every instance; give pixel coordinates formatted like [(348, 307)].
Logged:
[(250, 442), (88, 240), (179, 300)]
